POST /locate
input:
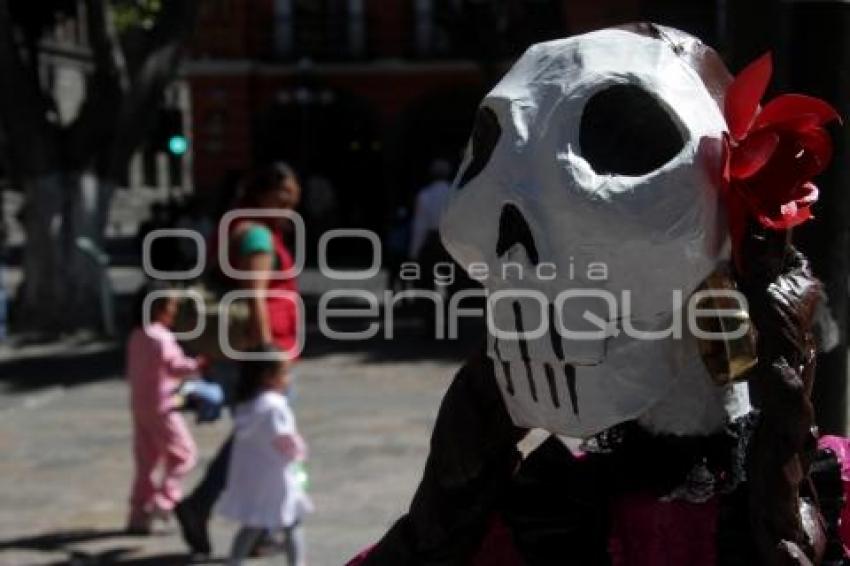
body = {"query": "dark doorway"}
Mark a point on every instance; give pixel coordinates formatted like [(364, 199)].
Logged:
[(333, 139), (435, 126)]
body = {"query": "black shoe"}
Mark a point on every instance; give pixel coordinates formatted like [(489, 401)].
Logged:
[(193, 527), (265, 546)]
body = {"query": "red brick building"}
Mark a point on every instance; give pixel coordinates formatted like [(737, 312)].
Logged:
[(365, 93)]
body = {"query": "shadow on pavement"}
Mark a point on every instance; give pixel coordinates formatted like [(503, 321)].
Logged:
[(122, 555), (119, 556), (65, 368), (59, 540)]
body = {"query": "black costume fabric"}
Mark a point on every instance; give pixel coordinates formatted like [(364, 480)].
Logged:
[(557, 506)]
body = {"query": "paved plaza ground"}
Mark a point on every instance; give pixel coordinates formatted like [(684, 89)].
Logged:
[(65, 469)]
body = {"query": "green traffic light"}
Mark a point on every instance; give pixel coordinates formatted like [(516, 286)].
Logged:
[(178, 145)]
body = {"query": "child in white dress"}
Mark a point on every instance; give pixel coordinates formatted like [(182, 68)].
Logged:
[(263, 492)]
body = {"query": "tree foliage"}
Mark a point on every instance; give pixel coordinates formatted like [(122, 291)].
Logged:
[(135, 47), (136, 13), (68, 168)]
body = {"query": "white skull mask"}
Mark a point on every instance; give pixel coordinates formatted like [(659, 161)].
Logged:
[(594, 165)]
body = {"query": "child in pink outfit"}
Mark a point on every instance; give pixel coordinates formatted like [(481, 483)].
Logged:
[(155, 367)]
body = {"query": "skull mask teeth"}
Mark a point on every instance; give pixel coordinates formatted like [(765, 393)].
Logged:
[(600, 151)]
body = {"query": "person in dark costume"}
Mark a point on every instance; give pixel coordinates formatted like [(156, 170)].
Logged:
[(632, 148)]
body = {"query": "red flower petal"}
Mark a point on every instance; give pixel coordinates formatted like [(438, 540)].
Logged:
[(792, 213), (789, 106), (799, 157), (786, 222), (809, 194), (753, 154), (789, 209), (817, 147), (744, 94), (792, 124), (771, 155)]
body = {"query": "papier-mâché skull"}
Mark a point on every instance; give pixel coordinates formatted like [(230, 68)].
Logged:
[(594, 169)]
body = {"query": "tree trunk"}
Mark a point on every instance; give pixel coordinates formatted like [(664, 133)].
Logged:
[(41, 293), (65, 217), (62, 168)]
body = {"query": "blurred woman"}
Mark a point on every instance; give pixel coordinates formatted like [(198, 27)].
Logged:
[(258, 245), (255, 244)]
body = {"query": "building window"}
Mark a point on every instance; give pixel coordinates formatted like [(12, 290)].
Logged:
[(483, 28), (320, 29), (219, 11), (284, 28), (423, 26), (356, 28), (436, 23)]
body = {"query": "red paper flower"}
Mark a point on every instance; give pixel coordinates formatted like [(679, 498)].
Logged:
[(772, 153)]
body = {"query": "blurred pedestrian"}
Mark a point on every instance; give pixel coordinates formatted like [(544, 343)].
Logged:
[(397, 245), (257, 245), (430, 203), (155, 367), (4, 308), (426, 248), (263, 492)]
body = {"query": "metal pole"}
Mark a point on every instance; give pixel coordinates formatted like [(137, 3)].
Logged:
[(184, 103), (818, 63)]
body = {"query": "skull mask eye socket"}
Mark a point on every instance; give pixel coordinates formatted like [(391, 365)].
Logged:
[(627, 131), (485, 136)]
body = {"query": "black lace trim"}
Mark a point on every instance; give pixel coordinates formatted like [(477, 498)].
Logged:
[(664, 463)]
